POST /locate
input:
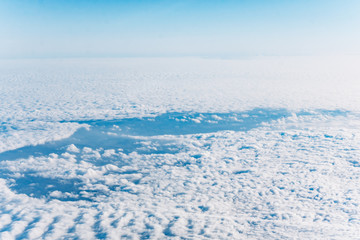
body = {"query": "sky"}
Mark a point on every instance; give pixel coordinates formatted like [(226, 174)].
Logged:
[(212, 28)]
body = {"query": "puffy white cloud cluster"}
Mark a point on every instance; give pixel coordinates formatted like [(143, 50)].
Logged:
[(295, 176)]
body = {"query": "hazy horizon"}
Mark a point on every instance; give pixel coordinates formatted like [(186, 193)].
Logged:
[(66, 29)]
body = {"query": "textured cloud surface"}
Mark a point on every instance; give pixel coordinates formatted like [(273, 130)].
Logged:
[(180, 148)]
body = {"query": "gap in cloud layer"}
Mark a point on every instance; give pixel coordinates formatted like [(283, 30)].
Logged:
[(126, 133)]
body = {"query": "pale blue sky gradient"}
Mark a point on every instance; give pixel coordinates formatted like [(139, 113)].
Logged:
[(54, 28)]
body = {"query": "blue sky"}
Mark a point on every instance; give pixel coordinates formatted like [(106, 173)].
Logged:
[(54, 28)]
